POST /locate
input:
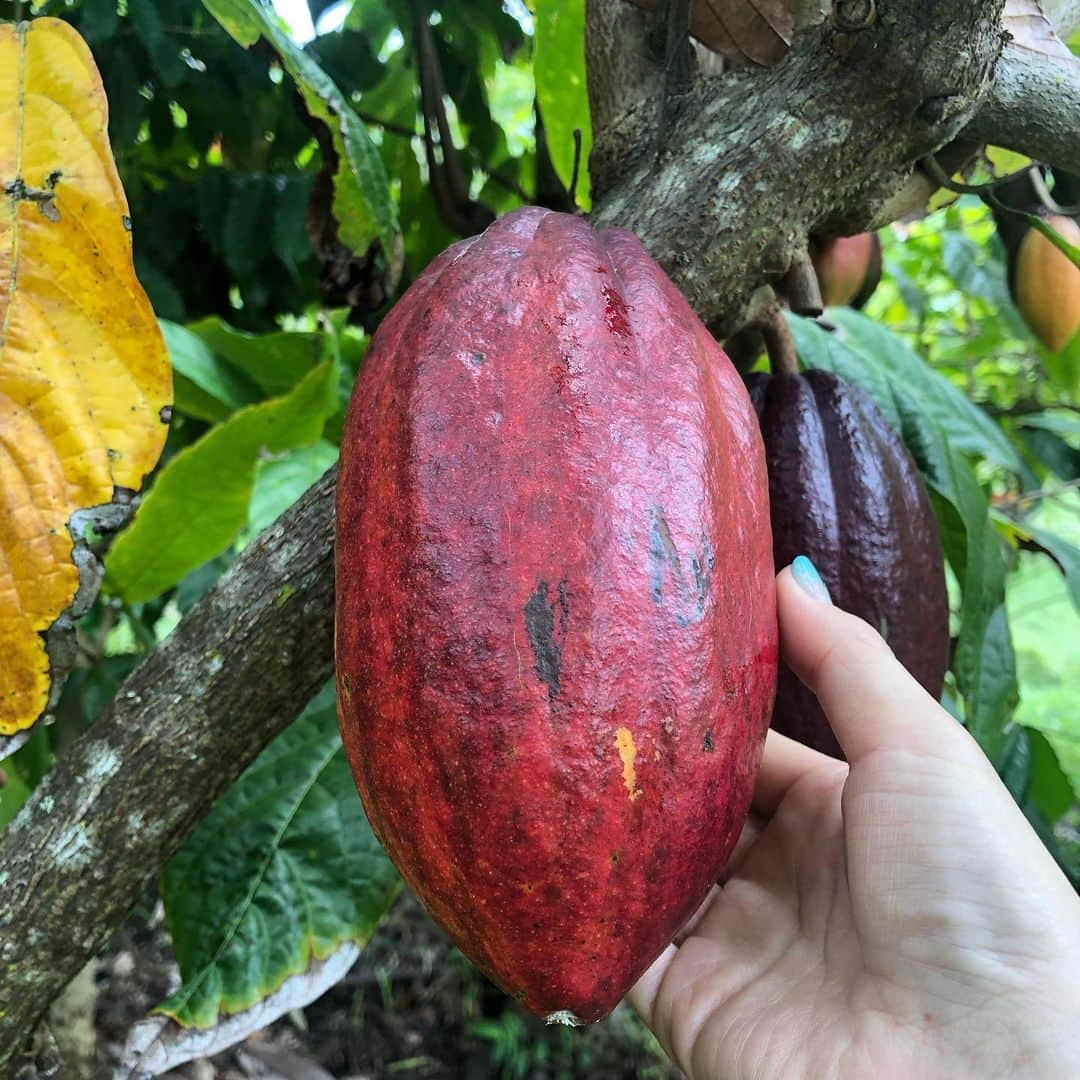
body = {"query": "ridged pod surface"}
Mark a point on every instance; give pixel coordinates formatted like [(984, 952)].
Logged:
[(845, 492), (556, 625)]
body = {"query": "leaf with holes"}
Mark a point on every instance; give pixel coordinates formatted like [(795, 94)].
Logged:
[(283, 872), (85, 385)]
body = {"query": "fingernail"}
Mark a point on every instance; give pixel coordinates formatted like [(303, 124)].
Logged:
[(806, 574)]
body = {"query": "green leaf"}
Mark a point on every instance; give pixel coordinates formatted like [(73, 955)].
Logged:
[(1065, 424), (561, 89), (1014, 764), (1064, 367), (985, 668), (1054, 438), (968, 428), (14, 791), (1054, 452), (245, 236), (288, 232), (279, 482), (98, 19), (1065, 555), (819, 349), (204, 387), (199, 501), (1049, 788), (243, 22), (913, 297), (274, 362), (966, 264), (363, 206), (164, 296), (163, 49), (984, 663), (283, 871)]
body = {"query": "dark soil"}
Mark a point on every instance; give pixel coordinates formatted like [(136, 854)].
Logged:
[(412, 1006)]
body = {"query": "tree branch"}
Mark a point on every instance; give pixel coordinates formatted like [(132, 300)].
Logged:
[(1033, 108), (760, 159), (123, 796)]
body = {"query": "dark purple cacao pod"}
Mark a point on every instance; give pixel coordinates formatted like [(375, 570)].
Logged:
[(844, 491)]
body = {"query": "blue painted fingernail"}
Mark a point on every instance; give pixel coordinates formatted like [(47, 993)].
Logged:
[(806, 574)]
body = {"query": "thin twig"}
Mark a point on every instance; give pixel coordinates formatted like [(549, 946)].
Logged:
[(1038, 182), (986, 191), (577, 167)]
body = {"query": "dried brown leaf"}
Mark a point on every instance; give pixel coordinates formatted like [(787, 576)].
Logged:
[(1029, 27), (757, 30)]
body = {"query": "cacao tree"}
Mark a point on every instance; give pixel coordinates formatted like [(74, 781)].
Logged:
[(282, 184)]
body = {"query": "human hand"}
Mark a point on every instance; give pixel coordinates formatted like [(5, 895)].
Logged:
[(897, 917)]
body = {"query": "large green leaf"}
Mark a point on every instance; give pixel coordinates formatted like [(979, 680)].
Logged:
[(1030, 769), (1054, 438), (1064, 367), (199, 502), (280, 481), (204, 387), (1050, 788), (967, 427), (363, 206), (561, 89), (274, 362), (1060, 422), (819, 349), (164, 49), (1065, 554), (283, 871), (983, 661)]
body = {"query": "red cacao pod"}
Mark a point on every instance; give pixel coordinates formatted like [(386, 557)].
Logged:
[(1046, 284), (556, 637), (844, 490), (848, 267)]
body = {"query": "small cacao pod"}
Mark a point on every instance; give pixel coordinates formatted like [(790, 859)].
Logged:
[(844, 491), (556, 629), (848, 267), (1046, 284)]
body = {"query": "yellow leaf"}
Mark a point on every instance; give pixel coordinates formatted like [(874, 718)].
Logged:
[(84, 375)]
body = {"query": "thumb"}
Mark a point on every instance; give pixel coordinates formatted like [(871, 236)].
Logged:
[(870, 699)]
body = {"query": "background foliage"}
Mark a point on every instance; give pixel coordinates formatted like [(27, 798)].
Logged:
[(267, 300)]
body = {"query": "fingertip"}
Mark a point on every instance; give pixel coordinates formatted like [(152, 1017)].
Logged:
[(805, 574)]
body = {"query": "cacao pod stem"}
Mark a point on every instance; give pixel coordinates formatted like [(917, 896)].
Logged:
[(779, 343), (802, 288)]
